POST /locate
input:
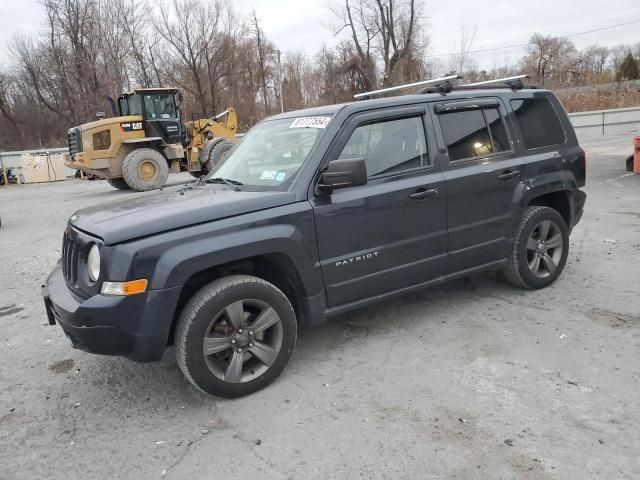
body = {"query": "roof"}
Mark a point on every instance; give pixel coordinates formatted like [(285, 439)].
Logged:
[(403, 100), (152, 89)]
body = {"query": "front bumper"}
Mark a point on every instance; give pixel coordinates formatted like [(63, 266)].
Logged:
[(136, 327)]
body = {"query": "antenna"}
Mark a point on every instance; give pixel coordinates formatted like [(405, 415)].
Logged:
[(400, 87), (497, 80)]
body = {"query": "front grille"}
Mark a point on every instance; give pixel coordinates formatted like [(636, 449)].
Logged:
[(70, 254), (74, 138)]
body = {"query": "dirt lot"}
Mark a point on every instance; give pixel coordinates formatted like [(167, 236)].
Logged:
[(474, 379)]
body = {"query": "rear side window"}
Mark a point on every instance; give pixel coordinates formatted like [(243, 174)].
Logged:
[(389, 147), (474, 133), (538, 121)]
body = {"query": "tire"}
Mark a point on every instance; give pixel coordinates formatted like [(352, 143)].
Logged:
[(145, 169), (531, 258), (629, 163), (217, 153), (118, 183), (208, 317)]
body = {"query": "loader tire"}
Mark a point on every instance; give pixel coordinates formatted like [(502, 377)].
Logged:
[(145, 169), (216, 154), (118, 183)]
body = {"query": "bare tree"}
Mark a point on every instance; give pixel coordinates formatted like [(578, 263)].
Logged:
[(461, 59), (265, 53), (549, 57)]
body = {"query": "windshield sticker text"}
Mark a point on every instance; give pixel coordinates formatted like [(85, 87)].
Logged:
[(268, 175), (310, 122), (280, 176)]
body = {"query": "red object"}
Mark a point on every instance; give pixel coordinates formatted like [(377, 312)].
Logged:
[(636, 154)]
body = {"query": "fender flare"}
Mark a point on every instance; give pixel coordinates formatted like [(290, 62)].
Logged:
[(563, 181), (545, 184), (183, 260)]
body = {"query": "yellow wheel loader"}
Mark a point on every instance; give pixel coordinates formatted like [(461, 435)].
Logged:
[(147, 140)]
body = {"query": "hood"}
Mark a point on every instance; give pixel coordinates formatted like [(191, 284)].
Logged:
[(171, 209), (105, 122)]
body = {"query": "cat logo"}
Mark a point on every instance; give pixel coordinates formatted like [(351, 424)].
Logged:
[(131, 126)]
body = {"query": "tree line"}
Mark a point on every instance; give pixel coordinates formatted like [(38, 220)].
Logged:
[(88, 50)]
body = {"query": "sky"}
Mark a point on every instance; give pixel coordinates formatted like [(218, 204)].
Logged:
[(301, 26)]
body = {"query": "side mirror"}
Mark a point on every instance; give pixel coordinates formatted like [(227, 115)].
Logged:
[(348, 172)]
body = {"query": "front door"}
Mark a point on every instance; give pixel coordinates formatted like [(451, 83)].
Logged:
[(161, 117), (392, 232), (482, 175)]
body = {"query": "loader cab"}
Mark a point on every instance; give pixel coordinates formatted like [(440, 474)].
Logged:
[(160, 112)]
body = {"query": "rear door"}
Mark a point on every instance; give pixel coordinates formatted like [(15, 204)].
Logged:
[(391, 232), (482, 174)]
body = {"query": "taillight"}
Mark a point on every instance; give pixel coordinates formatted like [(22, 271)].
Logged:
[(582, 158)]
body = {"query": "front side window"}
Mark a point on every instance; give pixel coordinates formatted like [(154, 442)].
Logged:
[(538, 121), (272, 152), (389, 147), (474, 133)]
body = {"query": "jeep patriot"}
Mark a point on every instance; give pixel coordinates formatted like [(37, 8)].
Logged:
[(317, 212)]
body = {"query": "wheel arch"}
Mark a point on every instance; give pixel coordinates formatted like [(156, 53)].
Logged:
[(276, 268), (559, 200), (554, 190)]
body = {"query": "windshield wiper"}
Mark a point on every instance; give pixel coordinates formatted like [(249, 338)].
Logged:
[(226, 181)]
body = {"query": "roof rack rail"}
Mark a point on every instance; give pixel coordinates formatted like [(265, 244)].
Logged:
[(440, 81), (514, 83)]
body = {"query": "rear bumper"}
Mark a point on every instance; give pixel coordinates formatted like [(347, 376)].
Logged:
[(578, 200), (136, 327)]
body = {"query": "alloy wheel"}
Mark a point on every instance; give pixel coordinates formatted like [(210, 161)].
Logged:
[(544, 249), (242, 341)]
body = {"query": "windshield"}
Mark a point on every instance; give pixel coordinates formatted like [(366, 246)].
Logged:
[(272, 152), (159, 105)]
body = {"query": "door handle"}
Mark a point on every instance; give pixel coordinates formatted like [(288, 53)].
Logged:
[(509, 174), (422, 194)]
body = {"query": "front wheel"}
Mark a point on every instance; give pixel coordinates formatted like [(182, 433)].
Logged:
[(539, 250), (118, 183), (235, 336), (217, 154), (629, 163)]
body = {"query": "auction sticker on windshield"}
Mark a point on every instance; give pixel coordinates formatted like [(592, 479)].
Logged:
[(310, 122)]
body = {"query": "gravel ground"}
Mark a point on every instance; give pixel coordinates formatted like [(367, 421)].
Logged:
[(474, 379)]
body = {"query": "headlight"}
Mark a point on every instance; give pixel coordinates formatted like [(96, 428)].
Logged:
[(93, 263)]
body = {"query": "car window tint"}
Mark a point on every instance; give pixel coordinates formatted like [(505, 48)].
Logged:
[(499, 137), (389, 147), (538, 121), (466, 134)]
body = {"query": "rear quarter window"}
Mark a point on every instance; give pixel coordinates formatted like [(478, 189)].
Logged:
[(539, 123)]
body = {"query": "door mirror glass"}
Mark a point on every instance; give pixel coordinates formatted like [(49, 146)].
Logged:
[(342, 173)]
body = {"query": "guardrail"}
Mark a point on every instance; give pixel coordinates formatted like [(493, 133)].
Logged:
[(598, 123)]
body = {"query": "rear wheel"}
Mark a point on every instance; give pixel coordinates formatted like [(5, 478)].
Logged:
[(235, 336), (539, 250), (145, 169), (118, 183), (629, 163)]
